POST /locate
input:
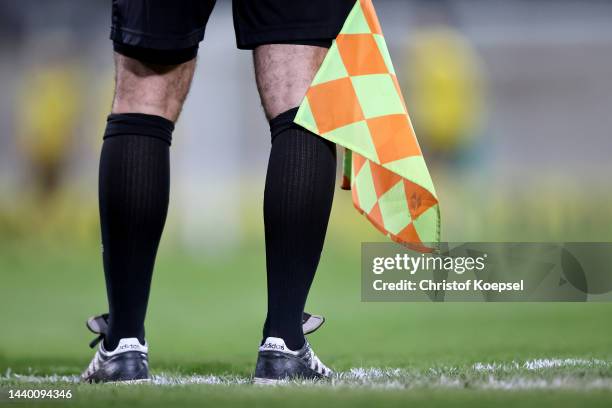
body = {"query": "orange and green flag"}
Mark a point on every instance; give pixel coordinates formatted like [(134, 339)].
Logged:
[(355, 101)]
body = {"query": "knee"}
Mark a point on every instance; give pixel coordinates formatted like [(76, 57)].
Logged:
[(283, 73), (150, 88)]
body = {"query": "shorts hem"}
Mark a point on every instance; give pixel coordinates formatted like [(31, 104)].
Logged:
[(155, 56), (284, 35), (162, 42)]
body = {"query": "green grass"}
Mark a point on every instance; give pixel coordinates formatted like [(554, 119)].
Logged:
[(216, 396), (206, 313), (205, 319)]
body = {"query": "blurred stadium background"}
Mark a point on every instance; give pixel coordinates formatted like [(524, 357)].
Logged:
[(510, 100)]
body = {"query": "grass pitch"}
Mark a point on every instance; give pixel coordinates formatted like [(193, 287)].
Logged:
[(204, 325), (543, 382)]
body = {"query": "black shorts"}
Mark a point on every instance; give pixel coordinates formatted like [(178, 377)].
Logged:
[(172, 30)]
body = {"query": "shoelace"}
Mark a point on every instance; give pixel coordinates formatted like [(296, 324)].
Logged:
[(97, 325)]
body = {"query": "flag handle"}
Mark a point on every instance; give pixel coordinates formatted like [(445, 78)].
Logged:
[(346, 177)]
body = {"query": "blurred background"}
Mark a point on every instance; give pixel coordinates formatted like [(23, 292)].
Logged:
[(510, 100)]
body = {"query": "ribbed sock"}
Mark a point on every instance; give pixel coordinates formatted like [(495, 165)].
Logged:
[(297, 202), (134, 185)]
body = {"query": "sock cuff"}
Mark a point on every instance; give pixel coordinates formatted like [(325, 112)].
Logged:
[(141, 124), (283, 122)]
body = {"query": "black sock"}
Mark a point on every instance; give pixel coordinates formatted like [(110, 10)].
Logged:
[(297, 203), (134, 189)]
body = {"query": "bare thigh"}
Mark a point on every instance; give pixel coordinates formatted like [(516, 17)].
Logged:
[(149, 88), (283, 73)]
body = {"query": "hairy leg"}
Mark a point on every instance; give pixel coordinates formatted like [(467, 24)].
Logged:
[(151, 89), (283, 73), (134, 185), (299, 187)]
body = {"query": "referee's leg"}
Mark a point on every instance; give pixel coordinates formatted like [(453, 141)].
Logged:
[(151, 89), (299, 186), (134, 184)]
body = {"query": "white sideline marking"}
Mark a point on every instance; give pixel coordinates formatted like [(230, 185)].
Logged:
[(568, 362), (500, 376), (541, 363)]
